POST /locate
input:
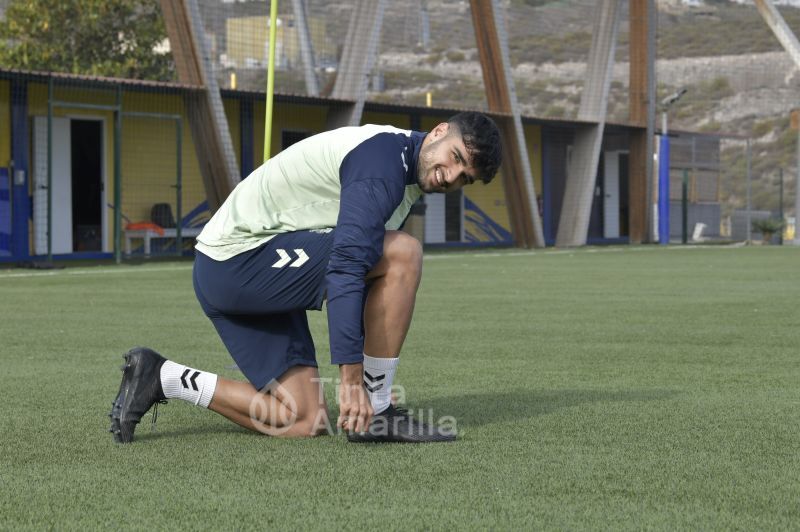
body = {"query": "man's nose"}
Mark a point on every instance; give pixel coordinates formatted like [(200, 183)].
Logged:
[(452, 176)]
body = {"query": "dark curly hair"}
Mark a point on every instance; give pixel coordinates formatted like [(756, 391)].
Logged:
[(482, 140)]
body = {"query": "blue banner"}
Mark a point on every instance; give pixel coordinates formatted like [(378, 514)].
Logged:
[(663, 191)]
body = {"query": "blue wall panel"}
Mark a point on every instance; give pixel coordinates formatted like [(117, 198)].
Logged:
[(5, 214)]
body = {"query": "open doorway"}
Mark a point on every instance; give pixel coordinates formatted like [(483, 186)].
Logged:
[(87, 184), (615, 209), (77, 186), (444, 218)]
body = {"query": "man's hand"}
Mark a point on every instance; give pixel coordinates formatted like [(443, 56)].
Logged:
[(355, 409)]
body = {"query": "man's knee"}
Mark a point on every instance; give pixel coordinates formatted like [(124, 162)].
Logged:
[(403, 250)]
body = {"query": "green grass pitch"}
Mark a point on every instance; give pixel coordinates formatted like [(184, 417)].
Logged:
[(609, 388)]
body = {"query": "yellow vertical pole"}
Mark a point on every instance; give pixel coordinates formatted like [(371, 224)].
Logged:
[(273, 23)]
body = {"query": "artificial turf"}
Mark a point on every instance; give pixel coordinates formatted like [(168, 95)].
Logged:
[(612, 388)]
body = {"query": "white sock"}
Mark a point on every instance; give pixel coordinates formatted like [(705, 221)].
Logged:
[(378, 377), (182, 382)]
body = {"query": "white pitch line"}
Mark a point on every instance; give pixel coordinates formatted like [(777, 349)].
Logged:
[(104, 271), (530, 253), (575, 251)]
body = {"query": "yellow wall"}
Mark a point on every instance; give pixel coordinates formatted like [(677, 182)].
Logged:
[(248, 39), (233, 116), (533, 142), (5, 123), (149, 157), (259, 109), (295, 117), (491, 201)]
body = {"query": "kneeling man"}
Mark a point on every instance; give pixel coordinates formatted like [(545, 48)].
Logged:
[(318, 221)]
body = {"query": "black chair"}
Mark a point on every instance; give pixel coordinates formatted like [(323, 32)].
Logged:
[(161, 215)]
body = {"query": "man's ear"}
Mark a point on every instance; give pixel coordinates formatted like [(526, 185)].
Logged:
[(441, 130)]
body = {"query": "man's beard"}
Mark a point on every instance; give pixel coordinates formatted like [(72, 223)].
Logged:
[(422, 171)]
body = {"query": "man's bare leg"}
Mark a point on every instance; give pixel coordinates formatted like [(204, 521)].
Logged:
[(392, 294), (295, 407)]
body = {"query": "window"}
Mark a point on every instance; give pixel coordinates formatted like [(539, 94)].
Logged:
[(453, 216), (289, 137)]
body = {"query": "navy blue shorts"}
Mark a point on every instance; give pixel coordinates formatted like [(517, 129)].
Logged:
[(257, 301)]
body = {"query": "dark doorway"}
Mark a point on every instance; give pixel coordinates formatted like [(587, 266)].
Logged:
[(87, 184), (595, 230), (624, 210), (452, 216)]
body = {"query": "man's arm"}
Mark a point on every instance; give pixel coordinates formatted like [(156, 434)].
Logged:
[(357, 248)]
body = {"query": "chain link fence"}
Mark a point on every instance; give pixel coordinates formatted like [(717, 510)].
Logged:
[(113, 167), (112, 170)]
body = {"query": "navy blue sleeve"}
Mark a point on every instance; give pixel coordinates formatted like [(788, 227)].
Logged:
[(373, 184)]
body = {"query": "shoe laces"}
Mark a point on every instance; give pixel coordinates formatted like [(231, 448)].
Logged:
[(155, 413), (400, 412)]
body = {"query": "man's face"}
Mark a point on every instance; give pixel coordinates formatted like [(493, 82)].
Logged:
[(444, 164)]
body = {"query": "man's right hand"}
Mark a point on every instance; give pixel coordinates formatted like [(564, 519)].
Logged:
[(355, 409)]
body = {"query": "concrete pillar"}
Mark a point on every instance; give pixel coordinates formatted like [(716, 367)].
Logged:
[(582, 168), (358, 58), (306, 47), (790, 43)]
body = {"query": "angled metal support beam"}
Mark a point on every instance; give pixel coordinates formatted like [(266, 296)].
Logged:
[(306, 47), (778, 25), (488, 19), (789, 41), (642, 107), (582, 168), (212, 138), (358, 58)]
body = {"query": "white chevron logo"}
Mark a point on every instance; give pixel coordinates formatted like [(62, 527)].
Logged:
[(285, 258), (302, 258)]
